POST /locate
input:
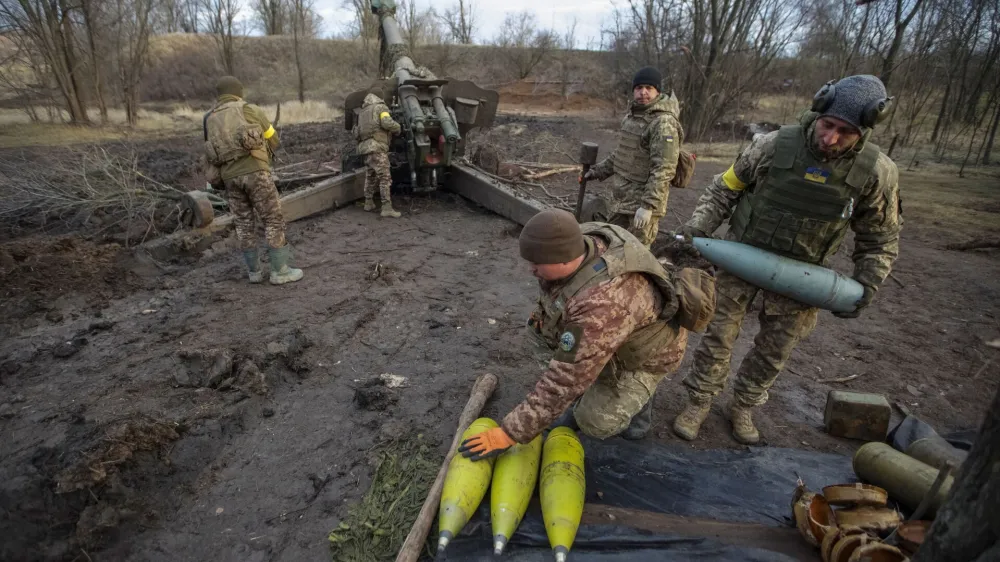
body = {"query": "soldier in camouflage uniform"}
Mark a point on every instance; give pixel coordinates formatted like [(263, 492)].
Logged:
[(617, 322), (645, 160), (239, 141), (794, 192), (375, 126)]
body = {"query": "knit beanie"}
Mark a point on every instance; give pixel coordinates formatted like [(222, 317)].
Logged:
[(647, 76), (853, 94), (229, 85), (551, 236)]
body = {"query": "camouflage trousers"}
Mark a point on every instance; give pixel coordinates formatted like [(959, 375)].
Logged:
[(255, 194), (377, 164), (783, 323), (645, 235), (607, 408)]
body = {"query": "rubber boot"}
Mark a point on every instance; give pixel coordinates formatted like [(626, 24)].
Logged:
[(253, 266), (369, 204), (388, 211), (688, 422), (641, 422), (743, 428), (280, 272)]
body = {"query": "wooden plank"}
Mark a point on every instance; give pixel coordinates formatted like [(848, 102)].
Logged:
[(325, 195)]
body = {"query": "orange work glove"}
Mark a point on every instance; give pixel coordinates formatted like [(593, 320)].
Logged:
[(489, 443)]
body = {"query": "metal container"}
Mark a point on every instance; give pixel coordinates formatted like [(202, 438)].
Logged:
[(936, 451), (905, 478)]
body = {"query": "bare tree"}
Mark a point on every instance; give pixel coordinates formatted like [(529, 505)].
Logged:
[(461, 21), (305, 22), (271, 16), (49, 25), (364, 26), (522, 45), (222, 24), (901, 20), (91, 18), (132, 30)]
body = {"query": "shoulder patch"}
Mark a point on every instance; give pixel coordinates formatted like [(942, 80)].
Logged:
[(569, 343)]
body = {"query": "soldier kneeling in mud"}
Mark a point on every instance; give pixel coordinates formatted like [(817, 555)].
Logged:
[(616, 321), (239, 141)]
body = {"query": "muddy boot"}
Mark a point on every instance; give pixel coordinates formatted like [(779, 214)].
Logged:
[(369, 204), (641, 422), (388, 211), (743, 428), (687, 424), (253, 266), (280, 272)]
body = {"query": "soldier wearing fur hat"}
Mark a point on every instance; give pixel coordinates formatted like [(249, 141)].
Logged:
[(644, 163), (239, 141), (616, 322), (795, 192)]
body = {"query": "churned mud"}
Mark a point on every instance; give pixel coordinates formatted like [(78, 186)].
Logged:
[(165, 409)]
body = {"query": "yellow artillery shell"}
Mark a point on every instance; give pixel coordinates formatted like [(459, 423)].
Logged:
[(514, 478), (562, 489), (465, 486)]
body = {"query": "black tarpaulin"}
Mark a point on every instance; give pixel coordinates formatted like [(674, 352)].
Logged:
[(750, 486)]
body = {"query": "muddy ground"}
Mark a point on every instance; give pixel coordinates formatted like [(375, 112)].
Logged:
[(168, 410)]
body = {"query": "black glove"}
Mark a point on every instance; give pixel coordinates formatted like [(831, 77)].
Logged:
[(865, 300), (691, 232), (683, 238)]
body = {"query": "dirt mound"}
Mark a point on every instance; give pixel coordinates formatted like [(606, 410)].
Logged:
[(120, 443), (45, 268)]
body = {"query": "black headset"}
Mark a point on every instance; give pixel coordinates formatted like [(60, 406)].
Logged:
[(873, 113)]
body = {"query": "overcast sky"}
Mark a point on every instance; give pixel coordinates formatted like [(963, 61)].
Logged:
[(555, 14)]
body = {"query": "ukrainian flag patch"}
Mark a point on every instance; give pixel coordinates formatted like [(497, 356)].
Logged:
[(818, 175)]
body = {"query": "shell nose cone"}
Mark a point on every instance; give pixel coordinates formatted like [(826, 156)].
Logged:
[(443, 541), (499, 542)]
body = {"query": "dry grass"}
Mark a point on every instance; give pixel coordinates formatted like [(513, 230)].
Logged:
[(936, 197), (292, 112)]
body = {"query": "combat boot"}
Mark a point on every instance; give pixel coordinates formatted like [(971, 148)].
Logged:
[(369, 204), (280, 272), (641, 422), (253, 266), (743, 428), (388, 211), (688, 422)]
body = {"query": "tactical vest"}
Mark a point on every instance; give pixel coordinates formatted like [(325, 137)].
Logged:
[(803, 207), (370, 126), (631, 158), (624, 254), (229, 136)]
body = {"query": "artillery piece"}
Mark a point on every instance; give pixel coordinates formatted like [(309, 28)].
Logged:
[(435, 113)]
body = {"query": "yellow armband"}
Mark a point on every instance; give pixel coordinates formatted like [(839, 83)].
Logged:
[(269, 132), (731, 181)]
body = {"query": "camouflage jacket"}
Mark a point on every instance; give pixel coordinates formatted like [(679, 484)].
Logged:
[(876, 221), (602, 318), (375, 126), (248, 164), (659, 141)]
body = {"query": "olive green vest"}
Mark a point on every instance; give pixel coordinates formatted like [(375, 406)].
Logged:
[(631, 158), (370, 126), (803, 207), (624, 254), (229, 136)]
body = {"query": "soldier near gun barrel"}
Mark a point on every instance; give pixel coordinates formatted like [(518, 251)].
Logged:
[(645, 161), (375, 126), (616, 321), (239, 140), (794, 192)]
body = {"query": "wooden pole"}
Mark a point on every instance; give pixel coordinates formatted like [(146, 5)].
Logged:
[(481, 392)]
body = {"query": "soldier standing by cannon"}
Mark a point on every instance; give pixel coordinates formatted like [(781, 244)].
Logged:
[(374, 131), (644, 163), (239, 141)]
